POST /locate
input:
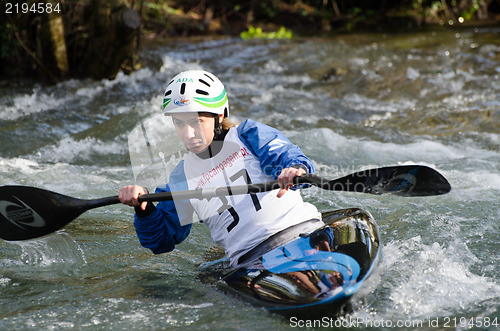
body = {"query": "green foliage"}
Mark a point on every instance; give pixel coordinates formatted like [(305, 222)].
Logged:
[(269, 10), (160, 8), (7, 43), (329, 14), (257, 33), (434, 10), (469, 13), (358, 15)]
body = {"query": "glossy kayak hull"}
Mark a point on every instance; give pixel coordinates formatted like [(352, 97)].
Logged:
[(294, 272)]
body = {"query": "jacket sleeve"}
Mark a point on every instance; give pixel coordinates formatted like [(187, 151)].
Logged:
[(273, 148), (159, 227)]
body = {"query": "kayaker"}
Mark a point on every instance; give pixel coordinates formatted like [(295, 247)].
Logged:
[(221, 154)]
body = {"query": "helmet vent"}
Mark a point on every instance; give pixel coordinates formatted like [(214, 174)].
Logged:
[(168, 92), (202, 81), (183, 88), (202, 92), (210, 78), (170, 82)]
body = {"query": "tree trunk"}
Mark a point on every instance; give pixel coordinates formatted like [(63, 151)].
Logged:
[(59, 51), (85, 39), (111, 40)]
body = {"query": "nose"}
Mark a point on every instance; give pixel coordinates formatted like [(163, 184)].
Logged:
[(189, 132)]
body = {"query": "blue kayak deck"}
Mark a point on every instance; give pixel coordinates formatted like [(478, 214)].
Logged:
[(293, 271)]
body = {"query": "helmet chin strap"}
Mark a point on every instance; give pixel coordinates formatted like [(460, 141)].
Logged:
[(217, 127)]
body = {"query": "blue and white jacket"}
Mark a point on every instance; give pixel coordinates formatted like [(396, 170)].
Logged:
[(251, 153)]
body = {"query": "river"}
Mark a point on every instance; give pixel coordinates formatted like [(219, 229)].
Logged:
[(351, 102)]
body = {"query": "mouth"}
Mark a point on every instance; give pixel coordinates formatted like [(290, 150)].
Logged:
[(195, 145)]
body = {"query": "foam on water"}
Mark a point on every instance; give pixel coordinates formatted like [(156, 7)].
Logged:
[(28, 104), (55, 249), (76, 94), (91, 181), (346, 150), (4, 281), (434, 280), (26, 166), (120, 313), (365, 103), (69, 150)]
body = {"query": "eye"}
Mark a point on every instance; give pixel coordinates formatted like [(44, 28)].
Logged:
[(177, 123), (195, 122)]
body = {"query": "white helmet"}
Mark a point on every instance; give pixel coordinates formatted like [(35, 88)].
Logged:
[(195, 91)]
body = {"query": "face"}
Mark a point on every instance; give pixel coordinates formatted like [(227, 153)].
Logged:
[(195, 130)]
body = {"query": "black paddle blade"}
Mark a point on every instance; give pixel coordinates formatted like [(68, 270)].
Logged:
[(29, 212), (407, 181)]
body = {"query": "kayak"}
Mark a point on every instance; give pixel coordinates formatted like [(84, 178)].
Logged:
[(295, 273)]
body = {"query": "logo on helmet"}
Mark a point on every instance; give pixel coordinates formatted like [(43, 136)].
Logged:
[(182, 102), (184, 80)]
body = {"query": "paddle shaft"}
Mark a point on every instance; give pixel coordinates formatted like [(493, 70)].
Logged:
[(29, 212)]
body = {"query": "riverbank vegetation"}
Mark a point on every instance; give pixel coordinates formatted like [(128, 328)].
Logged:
[(188, 17), (99, 38)]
